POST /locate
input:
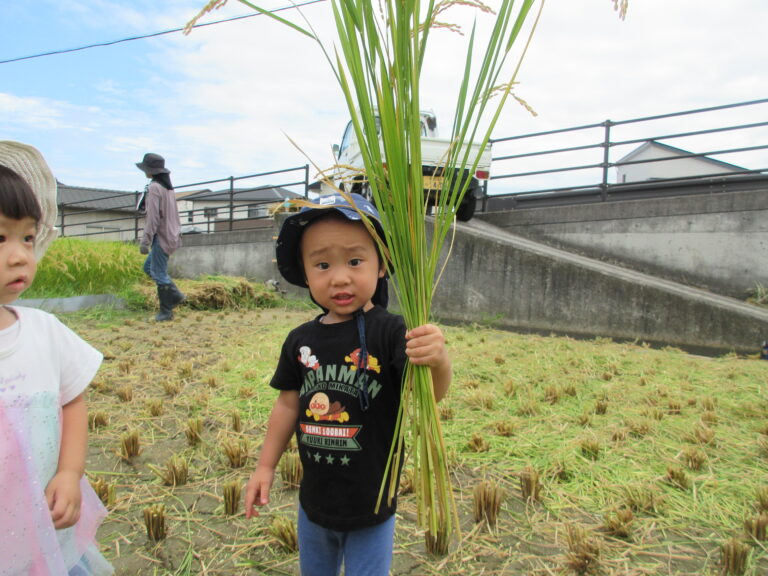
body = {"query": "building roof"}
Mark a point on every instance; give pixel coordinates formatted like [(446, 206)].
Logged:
[(677, 152), (257, 194), (80, 198)]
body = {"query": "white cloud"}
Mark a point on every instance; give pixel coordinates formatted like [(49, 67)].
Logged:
[(36, 113), (129, 144), (220, 101)]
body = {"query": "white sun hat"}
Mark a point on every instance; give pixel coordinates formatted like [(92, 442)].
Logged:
[(28, 163)]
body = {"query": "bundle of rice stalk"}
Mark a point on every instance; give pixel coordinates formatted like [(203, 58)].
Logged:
[(383, 53), (378, 60)]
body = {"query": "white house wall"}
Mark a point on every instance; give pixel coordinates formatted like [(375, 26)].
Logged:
[(100, 225), (105, 225), (194, 212), (661, 169)]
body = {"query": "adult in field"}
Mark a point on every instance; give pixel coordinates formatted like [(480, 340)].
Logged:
[(162, 232)]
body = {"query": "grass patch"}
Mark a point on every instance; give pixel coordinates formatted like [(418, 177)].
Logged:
[(759, 295), (76, 267)]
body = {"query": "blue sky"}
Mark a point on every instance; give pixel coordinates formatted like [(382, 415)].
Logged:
[(221, 101)]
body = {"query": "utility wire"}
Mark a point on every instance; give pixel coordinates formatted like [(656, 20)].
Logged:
[(153, 35)]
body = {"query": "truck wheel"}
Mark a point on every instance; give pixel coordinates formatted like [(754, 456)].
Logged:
[(467, 208), (362, 188)]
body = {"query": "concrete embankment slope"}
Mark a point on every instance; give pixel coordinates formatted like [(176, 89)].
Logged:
[(716, 240), (497, 277), (513, 282)]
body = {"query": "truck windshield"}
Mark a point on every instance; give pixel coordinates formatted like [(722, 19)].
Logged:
[(350, 137)]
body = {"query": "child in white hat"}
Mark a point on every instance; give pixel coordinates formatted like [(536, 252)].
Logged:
[(49, 513)]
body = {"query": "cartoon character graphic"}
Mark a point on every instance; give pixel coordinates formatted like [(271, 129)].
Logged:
[(372, 361), (320, 408), (307, 358)]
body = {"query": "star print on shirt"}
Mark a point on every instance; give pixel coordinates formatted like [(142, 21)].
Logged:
[(329, 459), (317, 456), (345, 460)]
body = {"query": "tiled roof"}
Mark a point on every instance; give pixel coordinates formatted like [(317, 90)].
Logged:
[(79, 198), (259, 194)]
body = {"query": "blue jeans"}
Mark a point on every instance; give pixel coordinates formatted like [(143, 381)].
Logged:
[(364, 552), (156, 264)]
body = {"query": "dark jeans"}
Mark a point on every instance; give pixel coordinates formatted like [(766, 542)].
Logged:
[(156, 264)]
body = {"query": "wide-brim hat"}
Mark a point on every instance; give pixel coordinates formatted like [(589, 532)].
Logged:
[(153, 164), (289, 239), (28, 162)]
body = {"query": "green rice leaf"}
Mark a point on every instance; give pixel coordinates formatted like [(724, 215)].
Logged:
[(288, 23), (378, 57)]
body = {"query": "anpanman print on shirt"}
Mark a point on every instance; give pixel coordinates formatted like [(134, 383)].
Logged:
[(341, 444), (330, 437), (306, 358), (371, 362), (345, 382), (321, 408)]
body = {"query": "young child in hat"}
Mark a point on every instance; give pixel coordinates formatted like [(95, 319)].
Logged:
[(48, 511), (339, 378), (162, 232)]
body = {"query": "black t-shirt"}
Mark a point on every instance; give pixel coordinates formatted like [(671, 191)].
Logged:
[(344, 450)]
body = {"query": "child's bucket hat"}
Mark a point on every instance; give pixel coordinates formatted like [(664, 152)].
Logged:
[(28, 162), (289, 262), (289, 239), (153, 164)]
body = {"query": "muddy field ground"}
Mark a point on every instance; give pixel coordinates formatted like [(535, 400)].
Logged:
[(609, 458)]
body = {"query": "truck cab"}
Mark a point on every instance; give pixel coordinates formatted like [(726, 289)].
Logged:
[(350, 170)]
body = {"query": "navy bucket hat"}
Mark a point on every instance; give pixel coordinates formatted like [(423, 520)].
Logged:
[(289, 239)]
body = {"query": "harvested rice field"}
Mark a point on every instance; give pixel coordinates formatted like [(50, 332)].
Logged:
[(567, 456)]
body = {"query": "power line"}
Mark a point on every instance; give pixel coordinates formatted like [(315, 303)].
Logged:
[(153, 35)]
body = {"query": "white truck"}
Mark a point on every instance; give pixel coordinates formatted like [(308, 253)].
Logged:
[(350, 172)]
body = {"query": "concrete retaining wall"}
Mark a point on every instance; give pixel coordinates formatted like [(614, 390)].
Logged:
[(513, 282), (521, 284), (715, 241), (248, 253), (73, 303)]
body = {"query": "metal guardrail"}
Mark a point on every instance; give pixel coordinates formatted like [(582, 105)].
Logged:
[(126, 201), (582, 157), (525, 173), (238, 213)]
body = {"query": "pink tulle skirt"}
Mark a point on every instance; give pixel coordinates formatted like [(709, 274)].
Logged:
[(29, 544)]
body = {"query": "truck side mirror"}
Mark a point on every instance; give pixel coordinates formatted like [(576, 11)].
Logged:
[(336, 150)]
